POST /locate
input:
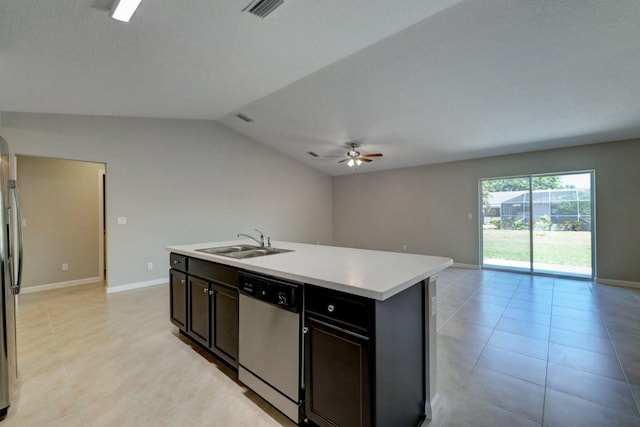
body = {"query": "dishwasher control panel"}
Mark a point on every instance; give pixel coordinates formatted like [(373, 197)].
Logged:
[(273, 291)]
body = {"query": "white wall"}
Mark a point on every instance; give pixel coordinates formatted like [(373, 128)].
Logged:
[(426, 207), (60, 203), (178, 182)]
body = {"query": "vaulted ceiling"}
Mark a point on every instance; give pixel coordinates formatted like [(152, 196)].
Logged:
[(420, 81)]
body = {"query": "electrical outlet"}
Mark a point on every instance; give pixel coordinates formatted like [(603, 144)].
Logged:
[(404, 247), (149, 266), (122, 220), (65, 267)]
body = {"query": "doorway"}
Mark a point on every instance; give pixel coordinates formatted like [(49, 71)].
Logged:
[(539, 223), (63, 208)]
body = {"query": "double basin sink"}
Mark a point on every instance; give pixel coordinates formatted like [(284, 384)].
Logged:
[(243, 251)]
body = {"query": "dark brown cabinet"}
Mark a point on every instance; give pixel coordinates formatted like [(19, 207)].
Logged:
[(364, 359), (178, 291), (199, 308), (224, 323), (337, 372), (210, 309), (178, 297)]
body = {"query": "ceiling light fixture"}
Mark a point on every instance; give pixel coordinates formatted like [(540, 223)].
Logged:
[(122, 10), (354, 161)]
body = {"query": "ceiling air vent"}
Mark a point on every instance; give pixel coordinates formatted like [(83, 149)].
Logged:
[(244, 117), (262, 8)]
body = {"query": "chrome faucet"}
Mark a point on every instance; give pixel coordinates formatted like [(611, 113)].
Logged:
[(260, 242)]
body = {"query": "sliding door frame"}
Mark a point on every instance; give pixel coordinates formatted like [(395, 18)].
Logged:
[(531, 269)]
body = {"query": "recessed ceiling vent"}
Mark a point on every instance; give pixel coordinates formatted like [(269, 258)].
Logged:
[(262, 8), (244, 117)]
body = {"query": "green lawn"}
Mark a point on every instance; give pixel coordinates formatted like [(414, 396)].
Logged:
[(551, 247)]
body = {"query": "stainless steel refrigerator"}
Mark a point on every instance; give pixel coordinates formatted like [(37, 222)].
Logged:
[(11, 266)]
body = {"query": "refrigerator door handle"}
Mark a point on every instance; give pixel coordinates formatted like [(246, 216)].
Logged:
[(15, 288)]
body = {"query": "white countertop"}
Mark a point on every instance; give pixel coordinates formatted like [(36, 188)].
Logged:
[(373, 274)]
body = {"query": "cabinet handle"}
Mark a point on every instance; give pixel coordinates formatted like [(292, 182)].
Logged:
[(305, 330), (206, 291), (175, 261), (210, 292), (182, 281), (331, 308)]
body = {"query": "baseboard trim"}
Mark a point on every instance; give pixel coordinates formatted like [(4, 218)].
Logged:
[(466, 266), (136, 285), (70, 283), (621, 283)]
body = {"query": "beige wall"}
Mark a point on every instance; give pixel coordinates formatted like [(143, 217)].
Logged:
[(426, 207), (60, 203), (185, 181), (179, 182)]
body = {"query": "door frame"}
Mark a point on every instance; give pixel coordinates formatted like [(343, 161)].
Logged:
[(531, 270)]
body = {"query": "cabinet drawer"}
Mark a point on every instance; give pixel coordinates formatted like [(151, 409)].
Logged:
[(340, 307), (178, 262), (214, 272)]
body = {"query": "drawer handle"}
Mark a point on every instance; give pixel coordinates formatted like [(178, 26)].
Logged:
[(331, 308), (175, 261)]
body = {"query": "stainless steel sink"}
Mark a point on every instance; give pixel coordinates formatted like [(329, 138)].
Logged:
[(243, 251), (227, 249), (256, 253)]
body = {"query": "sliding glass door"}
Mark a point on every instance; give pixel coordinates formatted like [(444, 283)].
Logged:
[(506, 238), (539, 223)]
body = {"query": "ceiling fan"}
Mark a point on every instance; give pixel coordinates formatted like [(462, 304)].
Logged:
[(353, 157)]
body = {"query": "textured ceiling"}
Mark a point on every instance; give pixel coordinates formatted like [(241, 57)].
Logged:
[(421, 81)]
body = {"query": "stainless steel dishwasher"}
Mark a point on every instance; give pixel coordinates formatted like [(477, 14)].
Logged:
[(269, 352)]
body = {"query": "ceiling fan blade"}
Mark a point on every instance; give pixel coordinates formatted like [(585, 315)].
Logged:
[(343, 160), (334, 156), (364, 159), (371, 155)]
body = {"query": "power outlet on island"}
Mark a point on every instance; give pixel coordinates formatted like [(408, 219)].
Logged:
[(65, 266), (149, 265)]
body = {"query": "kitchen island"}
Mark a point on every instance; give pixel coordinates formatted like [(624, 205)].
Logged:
[(372, 308)]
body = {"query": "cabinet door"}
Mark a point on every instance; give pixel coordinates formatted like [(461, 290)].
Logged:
[(337, 376), (224, 323), (178, 298), (199, 310)]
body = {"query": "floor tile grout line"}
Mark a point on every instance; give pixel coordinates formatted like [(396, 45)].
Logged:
[(475, 364), (458, 309), (468, 374), (546, 375)]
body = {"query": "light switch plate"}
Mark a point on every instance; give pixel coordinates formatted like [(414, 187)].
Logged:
[(122, 220)]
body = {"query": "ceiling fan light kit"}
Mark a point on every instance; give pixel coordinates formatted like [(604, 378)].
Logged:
[(354, 158)]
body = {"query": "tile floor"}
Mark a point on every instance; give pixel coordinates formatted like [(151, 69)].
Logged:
[(517, 350), (514, 350)]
